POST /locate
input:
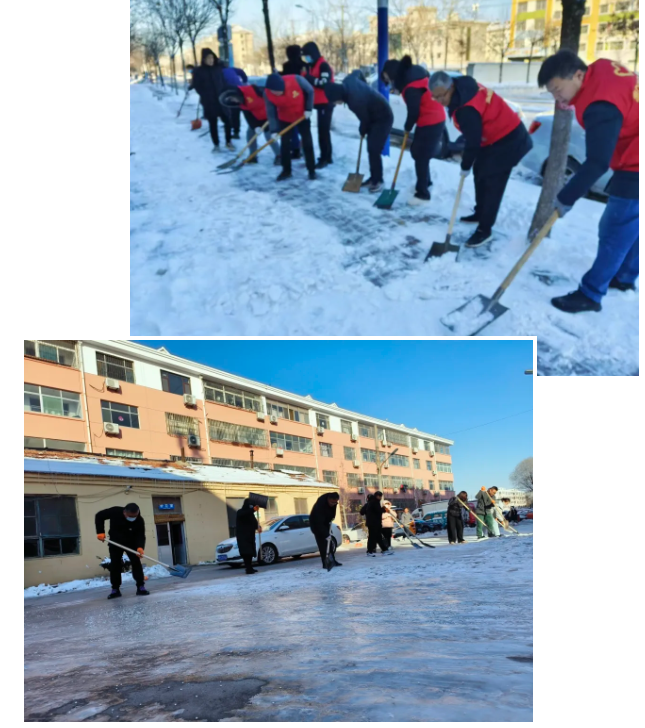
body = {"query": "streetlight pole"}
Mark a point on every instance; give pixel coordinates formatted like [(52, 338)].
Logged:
[(382, 10), (379, 465), (267, 25)]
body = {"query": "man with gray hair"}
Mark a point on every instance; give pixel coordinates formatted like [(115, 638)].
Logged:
[(496, 140)]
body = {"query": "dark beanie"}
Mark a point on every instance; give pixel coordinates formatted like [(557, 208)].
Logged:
[(131, 508), (275, 82), (334, 92)]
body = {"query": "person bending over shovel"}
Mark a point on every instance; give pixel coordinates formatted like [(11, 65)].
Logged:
[(320, 518), (129, 529), (245, 527)]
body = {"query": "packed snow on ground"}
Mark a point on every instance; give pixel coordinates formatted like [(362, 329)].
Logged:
[(422, 635), (240, 254)]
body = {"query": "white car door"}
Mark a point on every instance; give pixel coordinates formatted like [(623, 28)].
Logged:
[(307, 540), (287, 536)]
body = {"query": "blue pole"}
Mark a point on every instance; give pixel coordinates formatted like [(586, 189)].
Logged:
[(382, 56)]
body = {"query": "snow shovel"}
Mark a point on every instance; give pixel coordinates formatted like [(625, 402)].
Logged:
[(481, 311), (387, 197), (355, 180), (231, 162), (264, 146), (410, 536), (196, 123), (329, 559), (504, 523), (470, 510), (183, 102), (438, 249), (180, 571)]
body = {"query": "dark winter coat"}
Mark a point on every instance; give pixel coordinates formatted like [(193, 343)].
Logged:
[(401, 73), (128, 533), (322, 514), (232, 77), (484, 502), (295, 64), (369, 105), (245, 527), (454, 509), (373, 512), (209, 83)]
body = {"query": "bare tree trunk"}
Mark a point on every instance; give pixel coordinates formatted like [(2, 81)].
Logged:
[(501, 64), (192, 41), (528, 68), (572, 12), (160, 73)]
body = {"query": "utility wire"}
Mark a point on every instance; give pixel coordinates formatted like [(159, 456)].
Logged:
[(454, 432)]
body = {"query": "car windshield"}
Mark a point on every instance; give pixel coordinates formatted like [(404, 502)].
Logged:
[(271, 524)]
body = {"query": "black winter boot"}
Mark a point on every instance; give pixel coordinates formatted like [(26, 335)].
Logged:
[(142, 591), (575, 302), (615, 283), (312, 174), (478, 238), (283, 175), (114, 594), (469, 218)]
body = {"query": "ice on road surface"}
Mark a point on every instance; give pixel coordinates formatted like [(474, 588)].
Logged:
[(429, 635)]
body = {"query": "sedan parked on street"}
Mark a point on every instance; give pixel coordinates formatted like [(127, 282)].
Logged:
[(283, 536)]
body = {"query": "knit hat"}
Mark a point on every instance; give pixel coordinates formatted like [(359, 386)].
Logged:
[(275, 82), (334, 92)]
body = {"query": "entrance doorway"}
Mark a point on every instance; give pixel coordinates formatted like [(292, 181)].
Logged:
[(171, 542)]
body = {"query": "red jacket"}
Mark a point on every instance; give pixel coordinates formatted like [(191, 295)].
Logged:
[(253, 102), (498, 119), (319, 93), (431, 111), (608, 81), (291, 105)]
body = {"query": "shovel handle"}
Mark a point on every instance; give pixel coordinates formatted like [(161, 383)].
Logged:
[(469, 509), (360, 147), (455, 206), (255, 136), (525, 256), (136, 553), (264, 146), (398, 166)]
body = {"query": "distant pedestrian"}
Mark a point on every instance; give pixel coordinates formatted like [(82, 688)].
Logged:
[(373, 512), (485, 509), (320, 519), (245, 527), (387, 524), (455, 518), (208, 80), (513, 515), (294, 66), (406, 519)]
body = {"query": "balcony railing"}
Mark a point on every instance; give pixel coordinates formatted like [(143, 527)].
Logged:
[(60, 352)]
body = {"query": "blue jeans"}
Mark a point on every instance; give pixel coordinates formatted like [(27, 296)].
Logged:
[(617, 248)]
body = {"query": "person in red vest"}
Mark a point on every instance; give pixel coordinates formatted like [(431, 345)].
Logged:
[(319, 72), (605, 98), (287, 99), (496, 140), (411, 82), (250, 99)]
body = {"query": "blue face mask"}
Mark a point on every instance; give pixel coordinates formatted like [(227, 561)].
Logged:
[(307, 59), (127, 518)]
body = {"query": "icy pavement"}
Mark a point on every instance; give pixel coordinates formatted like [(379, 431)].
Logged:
[(423, 635), (239, 254)]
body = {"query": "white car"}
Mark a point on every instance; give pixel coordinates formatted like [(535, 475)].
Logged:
[(283, 536), (355, 533)]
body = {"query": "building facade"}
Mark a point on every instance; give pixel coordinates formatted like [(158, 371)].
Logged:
[(609, 30), (519, 498)]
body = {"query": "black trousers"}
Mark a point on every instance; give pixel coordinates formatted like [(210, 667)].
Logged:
[(424, 146), (213, 117), (324, 131), (116, 566), (387, 536), (235, 121), (304, 127), (376, 138), (248, 562), (455, 529), (321, 540), (374, 539)]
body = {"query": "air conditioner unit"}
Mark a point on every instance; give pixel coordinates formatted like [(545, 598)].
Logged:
[(415, 450), (193, 441), (353, 437), (190, 400), (260, 416), (356, 464), (386, 466), (112, 384), (321, 430), (279, 452), (434, 472), (110, 428), (361, 489), (274, 420)]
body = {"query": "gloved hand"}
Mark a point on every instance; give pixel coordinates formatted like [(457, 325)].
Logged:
[(140, 552), (100, 536), (259, 529), (561, 207), (307, 114), (258, 130), (464, 173), (362, 131)]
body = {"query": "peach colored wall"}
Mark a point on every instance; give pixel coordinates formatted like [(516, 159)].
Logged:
[(49, 374)]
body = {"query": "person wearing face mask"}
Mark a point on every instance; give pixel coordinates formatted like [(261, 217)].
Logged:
[(319, 73), (245, 527), (129, 529)]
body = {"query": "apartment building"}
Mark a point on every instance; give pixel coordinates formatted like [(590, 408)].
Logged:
[(519, 498), (535, 30)]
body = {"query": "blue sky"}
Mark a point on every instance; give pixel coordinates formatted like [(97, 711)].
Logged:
[(448, 388)]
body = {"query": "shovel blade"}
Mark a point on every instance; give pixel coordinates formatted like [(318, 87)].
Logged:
[(180, 571), (228, 170), (353, 183), (480, 318), (329, 563), (386, 199), (439, 249)]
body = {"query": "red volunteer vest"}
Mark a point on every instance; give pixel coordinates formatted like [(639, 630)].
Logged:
[(253, 103), (291, 105), (431, 111), (498, 119), (608, 81), (319, 94)]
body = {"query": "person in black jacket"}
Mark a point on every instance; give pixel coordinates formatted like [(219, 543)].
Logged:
[(375, 117), (129, 529), (245, 527), (294, 66), (320, 518), (373, 512), (455, 518), (319, 73), (208, 80)]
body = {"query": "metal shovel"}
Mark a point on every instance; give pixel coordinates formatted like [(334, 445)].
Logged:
[(177, 570), (355, 180), (231, 162), (329, 559), (438, 249), (490, 309), (387, 197)]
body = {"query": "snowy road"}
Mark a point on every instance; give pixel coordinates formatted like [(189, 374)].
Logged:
[(239, 254), (421, 635)]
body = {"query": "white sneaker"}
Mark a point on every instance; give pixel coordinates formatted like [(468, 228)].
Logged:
[(369, 554), (417, 201)]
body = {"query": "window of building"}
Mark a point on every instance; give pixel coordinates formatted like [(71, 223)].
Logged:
[(271, 511), (114, 367), (446, 485), (418, 484), (369, 456), (540, 5), (322, 421), (371, 481), (237, 434), (621, 7), (401, 461), (330, 476), (291, 442), (365, 430), (396, 437), (52, 401), (178, 458), (582, 47), (325, 450), (60, 352), (520, 26), (46, 443), (51, 526), (287, 413), (584, 29), (432, 485), (557, 15), (429, 465), (414, 442), (602, 27), (587, 9), (311, 472), (346, 427), (442, 449), (615, 45), (124, 453), (354, 480), (427, 445), (538, 24), (350, 453), (444, 467), (228, 463), (234, 397), (181, 425), (300, 505), (522, 7), (604, 9), (175, 383), (120, 414), (600, 46), (416, 463)]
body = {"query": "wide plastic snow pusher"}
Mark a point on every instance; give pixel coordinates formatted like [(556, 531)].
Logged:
[(479, 312), (355, 180), (387, 197), (177, 570), (438, 249)]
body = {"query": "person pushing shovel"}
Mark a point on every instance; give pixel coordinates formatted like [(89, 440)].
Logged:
[(320, 518), (128, 528)]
